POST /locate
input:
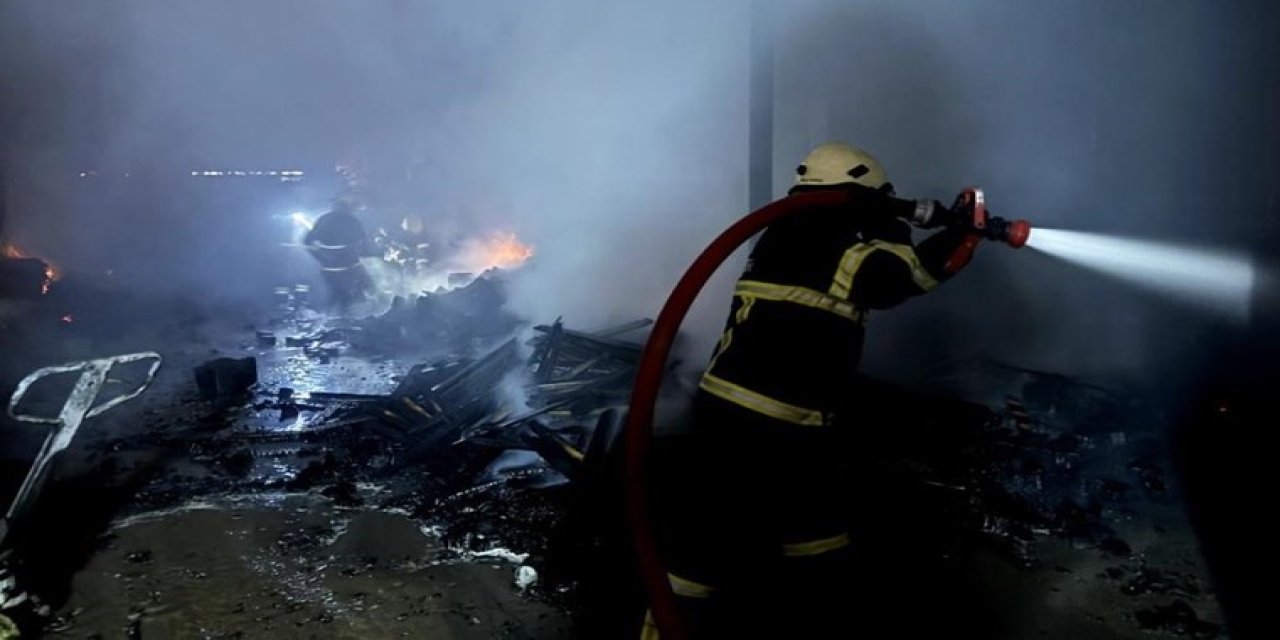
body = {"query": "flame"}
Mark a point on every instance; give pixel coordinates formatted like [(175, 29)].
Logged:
[(51, 271), (501, 249)]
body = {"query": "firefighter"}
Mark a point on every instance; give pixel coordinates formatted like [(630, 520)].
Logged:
[(338, 241), (760, 524), (412, 240)]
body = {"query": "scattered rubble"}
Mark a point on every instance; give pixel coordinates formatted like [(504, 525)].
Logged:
[(488, 469), (226, 378), (1148, 580), (1177, 618), (80, 402), (452, 416), (526, 577), (1027, 470), (455, 316)]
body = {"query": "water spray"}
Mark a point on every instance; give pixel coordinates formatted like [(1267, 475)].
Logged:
[(1218, 280)]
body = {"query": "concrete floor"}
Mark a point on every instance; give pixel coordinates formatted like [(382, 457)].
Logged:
[(132, 559), (272, 563), (295, 568)]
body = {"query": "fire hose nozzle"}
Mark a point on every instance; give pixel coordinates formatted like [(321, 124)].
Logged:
[(1019, 233), (971, 211), (1011, 232)]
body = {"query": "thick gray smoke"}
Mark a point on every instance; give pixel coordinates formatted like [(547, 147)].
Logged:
[(612, 137)]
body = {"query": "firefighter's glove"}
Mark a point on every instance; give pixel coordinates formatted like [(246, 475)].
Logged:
[(929, 214)]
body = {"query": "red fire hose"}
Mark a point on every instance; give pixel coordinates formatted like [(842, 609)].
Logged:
[(639, 428)]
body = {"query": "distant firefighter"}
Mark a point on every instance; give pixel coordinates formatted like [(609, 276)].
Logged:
[(406, 245), (338, 241)]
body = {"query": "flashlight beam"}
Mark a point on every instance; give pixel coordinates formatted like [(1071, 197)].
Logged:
[(302, 220)]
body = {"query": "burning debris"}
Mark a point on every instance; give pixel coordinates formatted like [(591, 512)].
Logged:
[(411, 263), (496, 250), (25, 275)]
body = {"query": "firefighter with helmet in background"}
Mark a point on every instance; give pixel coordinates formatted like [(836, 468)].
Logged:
[(758, 527), (338, 241)]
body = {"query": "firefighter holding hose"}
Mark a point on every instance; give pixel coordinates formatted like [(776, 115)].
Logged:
[(765, 534)]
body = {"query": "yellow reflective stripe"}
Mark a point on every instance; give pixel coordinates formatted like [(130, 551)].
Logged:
[(815, 547), (850, 262), (750, 289), (761, 403), (725, 341), (650, 629), (572, 451), (748, 301), (681, 587), (918, 273), (688, 588), (842, 283)]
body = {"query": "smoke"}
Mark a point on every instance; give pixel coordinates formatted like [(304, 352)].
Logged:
[(611, 137)]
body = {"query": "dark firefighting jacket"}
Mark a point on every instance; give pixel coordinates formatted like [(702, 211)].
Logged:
[(338, 241), (794, 336)]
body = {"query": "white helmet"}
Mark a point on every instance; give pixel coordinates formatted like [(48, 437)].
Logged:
[(839, 163)]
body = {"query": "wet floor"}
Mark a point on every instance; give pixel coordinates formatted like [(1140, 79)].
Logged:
[(201, 526), (296, 567), (252, 520)]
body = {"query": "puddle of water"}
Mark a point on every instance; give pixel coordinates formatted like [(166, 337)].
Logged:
[(289, 565)]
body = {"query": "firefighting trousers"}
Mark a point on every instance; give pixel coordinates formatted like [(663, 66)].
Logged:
[(755, 528), (348, 286)]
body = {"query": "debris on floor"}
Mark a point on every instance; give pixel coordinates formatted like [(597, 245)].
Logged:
[(226, 378), (438, 469), (1177, 618)]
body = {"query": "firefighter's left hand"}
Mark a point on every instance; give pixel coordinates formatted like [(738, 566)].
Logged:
[(931, 214)]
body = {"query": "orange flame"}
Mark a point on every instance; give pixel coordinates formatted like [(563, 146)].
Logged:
[(501, 249), (51, 271)]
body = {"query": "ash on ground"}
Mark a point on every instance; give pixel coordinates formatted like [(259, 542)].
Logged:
[(445, 470)]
